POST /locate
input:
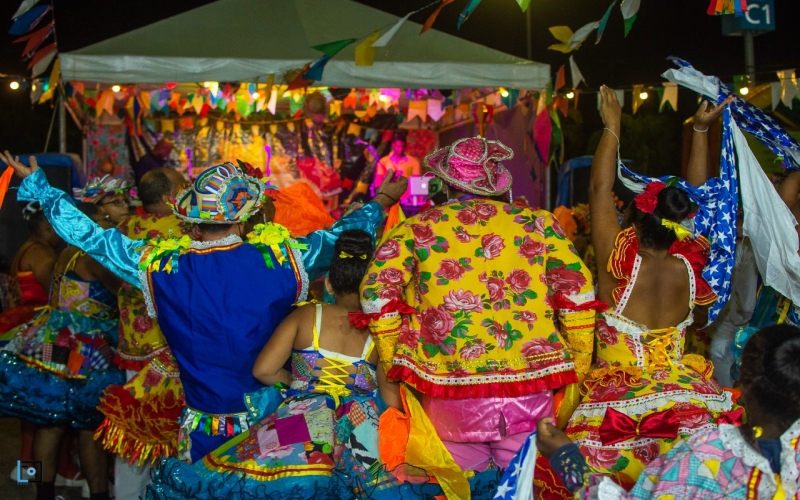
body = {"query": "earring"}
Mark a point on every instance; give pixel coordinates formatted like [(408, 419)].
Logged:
[(757, 431)]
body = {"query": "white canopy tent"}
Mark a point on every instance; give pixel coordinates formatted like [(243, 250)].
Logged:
[(241, 40)]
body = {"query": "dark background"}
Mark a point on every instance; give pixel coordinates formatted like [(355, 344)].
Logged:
[(663, 28)]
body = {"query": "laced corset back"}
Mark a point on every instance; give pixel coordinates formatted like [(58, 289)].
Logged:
[(624, 342), (341, 375), (89, 298)]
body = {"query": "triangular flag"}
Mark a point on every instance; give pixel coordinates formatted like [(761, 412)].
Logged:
[(41, 54), (55, 77), (577, 76), (299, 82), (167, 126), (105, 103), (197, 103), (372, 111), (314, 73), (788, 86), (775, 91), (629, 24), (637, 101), (418, 108), (467, 11), (561, 78), (432, 18), (435, 109), (670, 96), (186, 123), (629, 9), (542, 134), (577, 93), (365, 52), (562, 104), (24, 7), (27, 21), (524, 4), (335, 109), (571, 41), (353, 129), (604, 21), (330, 49), (273, 101), (34, 40), (387, 37)]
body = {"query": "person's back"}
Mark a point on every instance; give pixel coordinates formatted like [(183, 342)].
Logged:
[(660, 298)]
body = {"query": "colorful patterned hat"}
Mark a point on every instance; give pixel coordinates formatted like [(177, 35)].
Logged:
[(223, 194), (473, 165), (99, 187)]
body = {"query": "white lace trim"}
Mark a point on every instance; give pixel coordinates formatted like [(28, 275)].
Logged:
[(638, 442), (301, 270), (373, 306), (626, 294), (144, 285), (732, 440), (228, 240), (643, 404)]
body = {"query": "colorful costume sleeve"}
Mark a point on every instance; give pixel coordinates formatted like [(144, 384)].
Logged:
[(571, 467), (317, 259), (117, 253), (572, 295), (383, 287)]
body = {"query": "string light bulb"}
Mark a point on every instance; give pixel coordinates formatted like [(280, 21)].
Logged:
[(744, 90), (255, 95), (643, 95), (14, 85), (384, 98), (570, 95), (116, 88), (503, 92)]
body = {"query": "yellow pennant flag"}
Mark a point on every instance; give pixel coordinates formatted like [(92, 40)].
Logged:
[(55, 74), (365, 52)]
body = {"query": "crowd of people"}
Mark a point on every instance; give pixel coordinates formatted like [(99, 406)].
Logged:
[(183, 336)]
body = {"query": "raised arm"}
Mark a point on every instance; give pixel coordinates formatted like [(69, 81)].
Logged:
[(110, 248), (697, 171), (605, 224), (317, 258)]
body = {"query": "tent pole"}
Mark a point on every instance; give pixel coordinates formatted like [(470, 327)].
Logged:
[(62, 124)]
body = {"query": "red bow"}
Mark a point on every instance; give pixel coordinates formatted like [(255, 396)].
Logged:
[(361, 320), (618, 427), (733, 417), (560, 301)]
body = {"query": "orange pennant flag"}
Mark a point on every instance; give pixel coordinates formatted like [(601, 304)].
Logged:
[(5, 180), (561, 79), (432, 19)]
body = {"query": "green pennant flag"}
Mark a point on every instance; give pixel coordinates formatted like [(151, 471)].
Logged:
[(604, 21), (330, 49), (243, 104), (629, 24), (524, 4)]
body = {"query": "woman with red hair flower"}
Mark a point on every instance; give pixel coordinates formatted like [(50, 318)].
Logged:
[(644, 391)]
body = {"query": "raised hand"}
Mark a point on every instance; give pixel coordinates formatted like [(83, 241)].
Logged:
[(391, 189), (610, 109), (21, 170), (706, 115)]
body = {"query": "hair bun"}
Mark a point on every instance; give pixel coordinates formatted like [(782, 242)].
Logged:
[(354, 242), (674, 204)]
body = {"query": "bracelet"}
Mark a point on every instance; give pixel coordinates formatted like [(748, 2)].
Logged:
[(612, 133), (386, 195), (698, 130)]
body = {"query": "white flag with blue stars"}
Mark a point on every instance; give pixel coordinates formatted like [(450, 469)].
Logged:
[(517, 480)]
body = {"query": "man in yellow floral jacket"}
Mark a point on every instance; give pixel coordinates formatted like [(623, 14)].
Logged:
[(500, 308)]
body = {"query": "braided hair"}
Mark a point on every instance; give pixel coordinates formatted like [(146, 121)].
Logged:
[(674, 205), (771, 371), (352, 254)]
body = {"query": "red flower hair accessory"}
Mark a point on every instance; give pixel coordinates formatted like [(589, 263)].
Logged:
[(647, 201)]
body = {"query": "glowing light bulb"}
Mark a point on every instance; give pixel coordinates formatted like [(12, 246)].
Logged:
[(503, 92), (644, 95), (33, 87), (384, 98), (744, 90), (255, 95), (116, 88), (14, 85), (570, 95)]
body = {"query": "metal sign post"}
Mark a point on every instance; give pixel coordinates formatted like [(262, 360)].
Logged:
[(757, 20)]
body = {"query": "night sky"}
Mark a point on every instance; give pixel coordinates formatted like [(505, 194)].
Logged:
[(663, 28)]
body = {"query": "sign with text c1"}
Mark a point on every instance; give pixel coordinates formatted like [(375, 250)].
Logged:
[(759, 18)]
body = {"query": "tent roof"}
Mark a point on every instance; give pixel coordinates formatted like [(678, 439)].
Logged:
[(241, 40)]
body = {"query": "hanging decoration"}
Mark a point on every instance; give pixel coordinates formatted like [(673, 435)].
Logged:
[(721, 7), (577, 76), (669, 96), (571, 41), (387, 37), (467, 11), (432, 18), (629, 10), (789, 89), (604, 21), (561, 78)]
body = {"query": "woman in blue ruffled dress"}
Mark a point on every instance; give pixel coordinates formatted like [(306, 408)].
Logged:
[(55, 368)]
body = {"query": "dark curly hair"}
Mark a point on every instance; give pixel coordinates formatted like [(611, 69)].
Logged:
[(771, 371), (347, 272), (673, 204)]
